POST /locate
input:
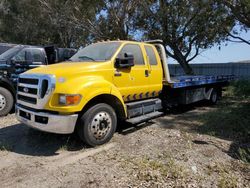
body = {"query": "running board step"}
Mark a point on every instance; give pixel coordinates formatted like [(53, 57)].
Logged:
[(139, 108), (144, 117)]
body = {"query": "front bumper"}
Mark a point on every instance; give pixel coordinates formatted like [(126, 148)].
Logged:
[(61, 124)]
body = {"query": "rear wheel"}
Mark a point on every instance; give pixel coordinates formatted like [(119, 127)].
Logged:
[(214, 97), (6, 101), (97, 125)]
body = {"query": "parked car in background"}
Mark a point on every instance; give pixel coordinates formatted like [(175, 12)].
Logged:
[(5, 46), (17, 59)]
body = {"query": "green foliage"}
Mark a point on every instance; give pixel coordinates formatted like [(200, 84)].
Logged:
[(117, 20), (241, 88), (239, 11), (65, 23)]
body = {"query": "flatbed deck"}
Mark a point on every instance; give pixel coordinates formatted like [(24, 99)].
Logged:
[(198, 80)]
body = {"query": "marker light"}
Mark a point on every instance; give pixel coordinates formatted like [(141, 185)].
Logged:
[(65, 99)]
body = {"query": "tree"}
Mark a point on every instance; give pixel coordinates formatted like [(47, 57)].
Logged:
[(240, 11), (116, 20), (185, 26), (119, 21), (47, 21), (70, 20), (19, 22)]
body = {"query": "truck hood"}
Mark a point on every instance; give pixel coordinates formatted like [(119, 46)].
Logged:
[(2, 61), (68, 69)]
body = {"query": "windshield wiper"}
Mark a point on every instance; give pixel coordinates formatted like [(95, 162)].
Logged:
[(86, 57)]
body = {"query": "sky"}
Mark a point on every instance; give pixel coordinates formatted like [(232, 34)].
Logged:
[(233, 52)]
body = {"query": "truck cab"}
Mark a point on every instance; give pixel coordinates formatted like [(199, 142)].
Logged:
[(15, 60), (103, 83)]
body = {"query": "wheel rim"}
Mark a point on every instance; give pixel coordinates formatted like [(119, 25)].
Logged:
[(2, 102), (101, 125)]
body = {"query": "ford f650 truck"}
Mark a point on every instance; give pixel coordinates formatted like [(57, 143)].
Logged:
[(106, 82)]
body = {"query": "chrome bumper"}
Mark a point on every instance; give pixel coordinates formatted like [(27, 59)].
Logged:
[(61, 124)]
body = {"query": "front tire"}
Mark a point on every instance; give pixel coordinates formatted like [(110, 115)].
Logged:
[(6, 101), (97, 125)]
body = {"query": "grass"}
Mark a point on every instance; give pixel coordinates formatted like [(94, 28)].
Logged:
[(155, 170), (240, 88), (226, 179), (231, 120)]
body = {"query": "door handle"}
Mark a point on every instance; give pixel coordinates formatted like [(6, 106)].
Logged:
[(146, 73)]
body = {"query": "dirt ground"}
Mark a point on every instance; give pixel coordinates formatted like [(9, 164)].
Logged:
[(166, 152)]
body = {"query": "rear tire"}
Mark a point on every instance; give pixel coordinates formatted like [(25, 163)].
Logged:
[(214, 97), (97, 125), (6, 101)]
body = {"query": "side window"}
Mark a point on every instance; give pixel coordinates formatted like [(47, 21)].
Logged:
[(37, 55), (135, 50), (20, 56), (30, 54), (151, 55)]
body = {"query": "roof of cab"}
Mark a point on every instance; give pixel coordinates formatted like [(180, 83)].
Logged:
[(125, 41)]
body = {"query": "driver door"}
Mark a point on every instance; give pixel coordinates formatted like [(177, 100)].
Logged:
[(132, 82)]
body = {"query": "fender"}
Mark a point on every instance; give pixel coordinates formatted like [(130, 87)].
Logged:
[(6, 83), (89, 88)]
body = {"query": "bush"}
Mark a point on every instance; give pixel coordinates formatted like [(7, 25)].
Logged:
[(241, 88)]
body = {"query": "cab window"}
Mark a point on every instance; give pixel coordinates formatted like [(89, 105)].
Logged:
[(29, 54), (135, 50), (151, 55)]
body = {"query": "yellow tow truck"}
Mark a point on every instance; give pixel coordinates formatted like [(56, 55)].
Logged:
[(106, 82)]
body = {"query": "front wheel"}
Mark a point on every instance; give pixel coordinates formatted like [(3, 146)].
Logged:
[(6, 101), (97, 125)]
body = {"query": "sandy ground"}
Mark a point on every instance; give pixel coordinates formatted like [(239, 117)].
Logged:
[(165, 152)]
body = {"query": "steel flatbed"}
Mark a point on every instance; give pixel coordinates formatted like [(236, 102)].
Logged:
[(198, 80)]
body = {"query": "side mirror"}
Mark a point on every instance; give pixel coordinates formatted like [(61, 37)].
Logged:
[(12, 62), (126, 62)]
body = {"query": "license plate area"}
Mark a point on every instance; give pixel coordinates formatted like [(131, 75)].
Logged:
[(25, 115)]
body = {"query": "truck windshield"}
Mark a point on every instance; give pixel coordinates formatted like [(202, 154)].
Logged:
[(96, 52), (10, 53)]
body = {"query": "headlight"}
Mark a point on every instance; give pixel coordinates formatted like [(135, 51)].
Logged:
[(65, 99)]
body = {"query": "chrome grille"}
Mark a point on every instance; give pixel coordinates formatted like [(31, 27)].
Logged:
[(29, 81), (35, 90)]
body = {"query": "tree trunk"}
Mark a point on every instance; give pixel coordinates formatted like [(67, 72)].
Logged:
[(186, 67), (182, 60)]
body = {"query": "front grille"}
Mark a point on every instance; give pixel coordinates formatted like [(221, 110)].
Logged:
[(27, 99), (29, 81), (34, 90), (44, 87), (30, 90)]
